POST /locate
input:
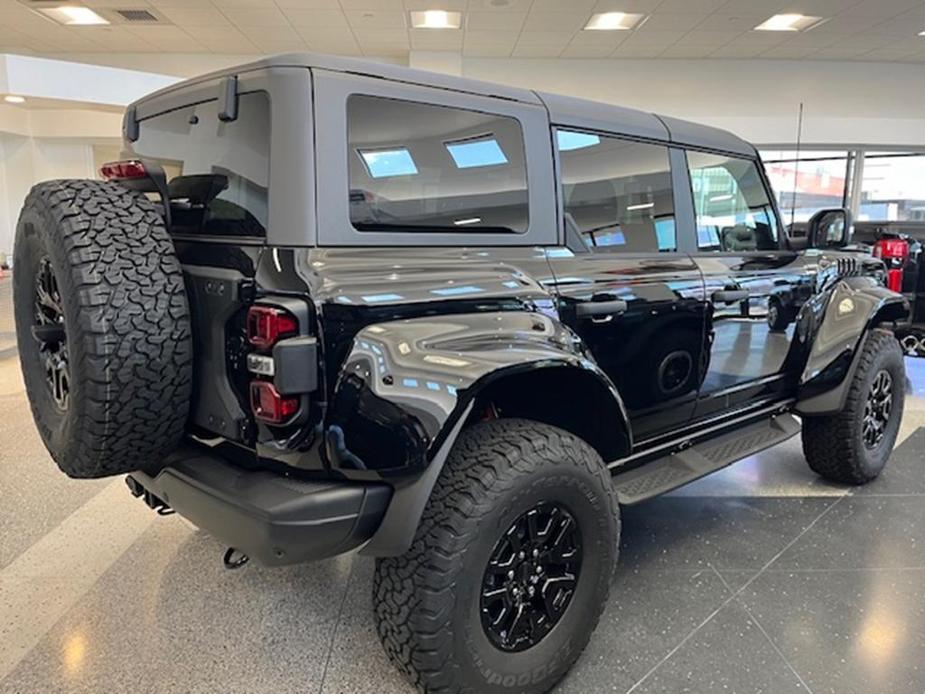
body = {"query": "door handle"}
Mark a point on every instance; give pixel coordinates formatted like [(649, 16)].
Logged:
[(730, 295), (599, 309)]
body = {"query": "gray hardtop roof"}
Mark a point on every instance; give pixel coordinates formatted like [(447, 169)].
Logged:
[(563, 110)]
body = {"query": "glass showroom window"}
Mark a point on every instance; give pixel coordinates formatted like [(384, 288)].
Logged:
[(813, 181), (893, 187)]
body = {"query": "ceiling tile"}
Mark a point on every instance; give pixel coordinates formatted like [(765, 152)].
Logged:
[(689, 6), (380, 5), (496, 6), (308, 4), (576, 6), (698, 37), (552, 38), (672, 22), (316, 18), (376, 20), (730, 22), (554, 21), (264, 17), (197, 16), (245, 4), (495, 21), (882, 9), (630, 6), (326, 34), (449, 5)]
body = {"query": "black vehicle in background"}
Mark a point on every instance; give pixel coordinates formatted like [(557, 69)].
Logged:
[(325, 305), (901, 246)]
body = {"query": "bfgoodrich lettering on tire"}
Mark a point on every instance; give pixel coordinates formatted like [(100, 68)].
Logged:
[(102, 326), (853, 446), (510, 567)]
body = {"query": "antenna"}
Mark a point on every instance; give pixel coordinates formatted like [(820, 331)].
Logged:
[(796, 168)]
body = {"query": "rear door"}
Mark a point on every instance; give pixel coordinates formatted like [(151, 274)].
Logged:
[(753, 286), (625, 285)]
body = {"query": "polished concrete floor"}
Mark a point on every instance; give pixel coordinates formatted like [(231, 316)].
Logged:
[(761, 578)]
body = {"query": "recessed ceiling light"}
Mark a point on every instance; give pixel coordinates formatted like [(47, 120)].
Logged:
[(436, 19), (612, 21), (922, 33), (13, 99), (789, 22), (73, 15)]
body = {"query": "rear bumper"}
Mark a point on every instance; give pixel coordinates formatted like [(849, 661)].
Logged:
[(274, 519)]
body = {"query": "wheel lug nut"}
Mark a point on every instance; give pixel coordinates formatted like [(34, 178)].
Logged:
[(536, 553), (510, 574), (521, 555)]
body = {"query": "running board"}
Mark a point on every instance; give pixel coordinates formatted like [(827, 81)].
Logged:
[(677, 469)]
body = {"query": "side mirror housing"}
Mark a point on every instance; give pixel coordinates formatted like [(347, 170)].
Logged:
[(829, 228)]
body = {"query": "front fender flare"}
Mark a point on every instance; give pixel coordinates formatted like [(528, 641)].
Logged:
[(834, 325)]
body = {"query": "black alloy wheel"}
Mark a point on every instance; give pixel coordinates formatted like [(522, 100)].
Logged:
[(877, 409), (531, 577), (49, 331)]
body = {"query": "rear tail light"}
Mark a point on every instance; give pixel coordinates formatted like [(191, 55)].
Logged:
[(893, 252), (266, 325), (116, 170), (269, 406)]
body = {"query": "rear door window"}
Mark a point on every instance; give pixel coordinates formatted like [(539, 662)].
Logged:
[(217, 172), (617, 193), (425, 168)]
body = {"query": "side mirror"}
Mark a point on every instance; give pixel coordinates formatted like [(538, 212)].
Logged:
[(830, 228)]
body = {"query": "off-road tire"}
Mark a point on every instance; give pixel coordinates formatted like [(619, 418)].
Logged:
[(427, 601), (126, 318), (833, 444)]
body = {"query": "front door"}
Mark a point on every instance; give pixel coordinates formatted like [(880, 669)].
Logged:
[(626, 290), (753, 287)]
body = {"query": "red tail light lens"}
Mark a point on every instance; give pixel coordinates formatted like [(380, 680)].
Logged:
[(894, 252), (269, 406), (888, 249), (266, 325), (123, 169)]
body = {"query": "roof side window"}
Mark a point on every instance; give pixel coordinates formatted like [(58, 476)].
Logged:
[(421, 167), (734, 210), (617, 193), (217, 172)]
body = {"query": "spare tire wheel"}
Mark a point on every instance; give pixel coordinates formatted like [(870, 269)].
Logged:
[(103, 327)]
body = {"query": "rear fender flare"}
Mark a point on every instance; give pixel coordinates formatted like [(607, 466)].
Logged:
[(407, 388), (833, 326)]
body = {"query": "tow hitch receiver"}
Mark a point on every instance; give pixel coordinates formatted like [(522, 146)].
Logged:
[(153, 502)]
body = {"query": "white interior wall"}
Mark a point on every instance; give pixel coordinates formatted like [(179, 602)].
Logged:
[(26, 160)]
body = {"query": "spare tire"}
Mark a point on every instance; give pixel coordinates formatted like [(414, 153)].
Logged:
[(102, 325)]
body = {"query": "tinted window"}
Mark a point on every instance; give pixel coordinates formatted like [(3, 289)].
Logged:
[(217, 172), (733, 210), (419, 167), (617, 193)]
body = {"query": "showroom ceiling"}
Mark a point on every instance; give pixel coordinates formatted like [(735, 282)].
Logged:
[(876, 30)]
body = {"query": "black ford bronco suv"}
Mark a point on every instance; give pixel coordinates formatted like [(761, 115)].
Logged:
[(325, 305)]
